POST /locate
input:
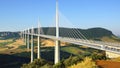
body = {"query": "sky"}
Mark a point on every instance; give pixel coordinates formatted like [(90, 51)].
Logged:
[(17, 15)]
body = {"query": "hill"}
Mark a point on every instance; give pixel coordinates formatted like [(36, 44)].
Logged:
[(8, 35), (99, 34)]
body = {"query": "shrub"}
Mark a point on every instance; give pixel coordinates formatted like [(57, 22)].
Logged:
[(59, 65), (98, 57), (47, 66), (87, 63), (37, 63), (68, 62), (72, 60)]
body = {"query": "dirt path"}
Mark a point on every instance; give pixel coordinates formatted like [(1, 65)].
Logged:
[(108, 64)]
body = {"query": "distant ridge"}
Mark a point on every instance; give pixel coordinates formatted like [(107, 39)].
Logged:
[(91, 33), (88, 33), (8, 35)]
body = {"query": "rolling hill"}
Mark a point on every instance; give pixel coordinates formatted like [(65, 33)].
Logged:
[(99, 34)]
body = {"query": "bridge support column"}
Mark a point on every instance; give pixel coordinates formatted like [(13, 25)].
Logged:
[(57, 51), (32, 46), (21, 35), (38, 56), (39, 41), (28, 46), (24, 36)]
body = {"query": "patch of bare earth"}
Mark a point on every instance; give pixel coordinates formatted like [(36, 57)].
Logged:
[(9, 40), (51, 43), (108, 64), (15, 44)]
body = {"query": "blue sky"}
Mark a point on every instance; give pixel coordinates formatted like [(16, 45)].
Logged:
[(17, 15)]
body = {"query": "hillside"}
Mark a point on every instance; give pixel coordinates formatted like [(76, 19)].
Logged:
[(88, 33), (9, 35), (91, 33), (99, 34)]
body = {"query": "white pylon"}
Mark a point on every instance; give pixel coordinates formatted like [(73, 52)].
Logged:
[(38, 54), (28, 45), (26, 37), (21, 34), (32, 46), (57, 46)]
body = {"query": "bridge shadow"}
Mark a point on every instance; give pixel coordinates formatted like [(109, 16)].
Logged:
[(49, 55), (12, 61), (18, 59)]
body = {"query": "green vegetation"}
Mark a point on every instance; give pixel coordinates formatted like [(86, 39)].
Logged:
[(71, 62), (82, 51), (41, 63), (69, 56), (3, 44), (38, 63), (73, 59), (91, 33), (72, 49), (86, 63), (22, 47)]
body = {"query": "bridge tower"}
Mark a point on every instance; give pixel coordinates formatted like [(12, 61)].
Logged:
[(57, 45), (28, 39)]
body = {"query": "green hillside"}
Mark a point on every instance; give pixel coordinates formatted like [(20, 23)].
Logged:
[(88, 33), (99, 34), (92, 33)]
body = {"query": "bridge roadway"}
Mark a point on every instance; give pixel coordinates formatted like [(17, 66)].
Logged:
[(110, 47)]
